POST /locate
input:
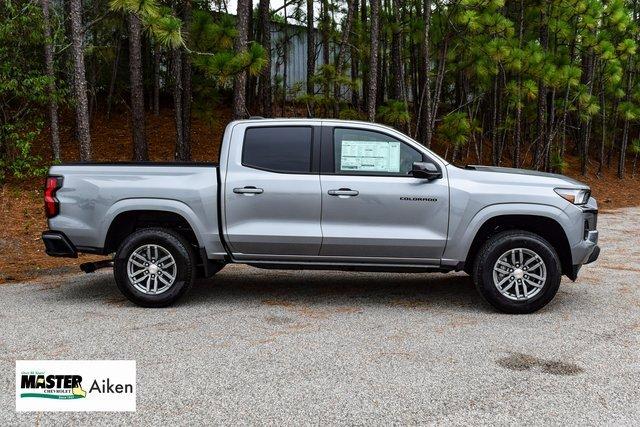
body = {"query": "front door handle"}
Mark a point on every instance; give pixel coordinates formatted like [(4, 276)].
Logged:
[(248, 190), (344, 192)]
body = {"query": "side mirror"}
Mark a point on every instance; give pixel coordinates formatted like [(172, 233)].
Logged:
[(425, 170)]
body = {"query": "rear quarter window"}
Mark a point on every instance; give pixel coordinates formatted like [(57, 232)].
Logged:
[(285, 149)]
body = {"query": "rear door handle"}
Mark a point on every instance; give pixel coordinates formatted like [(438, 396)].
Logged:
[(344, 192), (249, 190)]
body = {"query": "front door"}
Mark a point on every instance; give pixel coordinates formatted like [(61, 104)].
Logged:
[(272, 194), (372, 208)]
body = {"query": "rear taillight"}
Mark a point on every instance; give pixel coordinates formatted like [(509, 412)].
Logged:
[(51, 204)]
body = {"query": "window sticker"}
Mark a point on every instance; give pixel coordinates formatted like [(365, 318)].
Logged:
[(370, 156)]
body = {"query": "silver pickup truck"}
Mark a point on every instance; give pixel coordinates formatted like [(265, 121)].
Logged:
[(323, 194)]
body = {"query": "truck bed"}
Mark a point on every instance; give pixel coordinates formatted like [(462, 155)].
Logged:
[(94, 194)]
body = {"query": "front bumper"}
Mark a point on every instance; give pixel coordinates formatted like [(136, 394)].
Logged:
[(584, 250), (587, 251), (58, 245)]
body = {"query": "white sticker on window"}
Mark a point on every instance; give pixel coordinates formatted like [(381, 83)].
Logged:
[(370, 156)]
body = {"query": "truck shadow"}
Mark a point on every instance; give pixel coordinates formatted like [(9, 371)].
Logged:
[(237, 285), (301, 288)]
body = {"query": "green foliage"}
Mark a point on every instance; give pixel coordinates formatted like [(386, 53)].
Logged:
[(394, 112), (629, 111), (159, 21), (351, 114), (23, 87), (558, 163), (455, 129), (211, 44)]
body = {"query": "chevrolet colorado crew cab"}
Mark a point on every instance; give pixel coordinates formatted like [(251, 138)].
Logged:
[(323, 194)]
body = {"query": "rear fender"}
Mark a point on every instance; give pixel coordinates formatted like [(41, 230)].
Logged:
[(207, 238)]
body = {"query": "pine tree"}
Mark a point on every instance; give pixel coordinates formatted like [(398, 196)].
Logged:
[(241, 41), (53, 102), (373, 61), (80, 80), (140, 148)]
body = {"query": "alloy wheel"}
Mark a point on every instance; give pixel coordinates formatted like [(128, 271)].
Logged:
[(152, 269), (519, 274)]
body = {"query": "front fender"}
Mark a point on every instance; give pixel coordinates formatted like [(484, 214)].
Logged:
[(461, 238)]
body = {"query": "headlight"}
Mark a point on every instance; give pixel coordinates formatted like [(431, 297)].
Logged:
[(577, 197)]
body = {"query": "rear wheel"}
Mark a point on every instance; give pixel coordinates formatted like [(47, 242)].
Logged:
[(154, 267), (517, 272)]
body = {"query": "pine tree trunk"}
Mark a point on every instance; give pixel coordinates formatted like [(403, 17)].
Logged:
[(114, 76), (184, 154), (603, 129), (550, 134), (311, 48), (382, 66), (80, 80), (355, 72), (424, 109), (397, 66), (494, 122), (285, 62), (156, 79), (538, 151), (442, 60), (586, 135), (325, 23), (240, 83), (373, 61), (354, 64), (623, 149), (53, 104), (176, 73), (365, 73), (346, 32), (565, 111), (625, 131), (140, 150), (264, 81), (517, 135)]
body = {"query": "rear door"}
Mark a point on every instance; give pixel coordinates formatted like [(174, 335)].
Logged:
[(372, 208), (272, 196)]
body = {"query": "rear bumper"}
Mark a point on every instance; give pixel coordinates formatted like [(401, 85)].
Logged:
[(58, 245)]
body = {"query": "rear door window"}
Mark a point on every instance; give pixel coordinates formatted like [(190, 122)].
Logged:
[(278, 149)]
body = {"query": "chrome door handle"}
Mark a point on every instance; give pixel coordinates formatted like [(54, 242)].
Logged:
[(344, 192), (250, 190)]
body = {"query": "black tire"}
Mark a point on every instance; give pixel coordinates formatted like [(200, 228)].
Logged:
[(173, 243), (494, 248)]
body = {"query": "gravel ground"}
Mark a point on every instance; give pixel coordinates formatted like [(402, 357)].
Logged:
[(275, 347)]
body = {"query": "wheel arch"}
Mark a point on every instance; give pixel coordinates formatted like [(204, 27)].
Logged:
[(129, 215), (544, 226)]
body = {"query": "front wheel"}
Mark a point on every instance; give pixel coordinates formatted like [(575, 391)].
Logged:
[(517, 272), (154, 267)]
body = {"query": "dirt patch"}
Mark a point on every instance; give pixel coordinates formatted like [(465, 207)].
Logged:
[(411, 303), (117, 301), (524, 362), (620, 267), (278, 320)]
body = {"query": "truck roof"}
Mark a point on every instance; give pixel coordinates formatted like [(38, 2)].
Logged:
[(258, 119)]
